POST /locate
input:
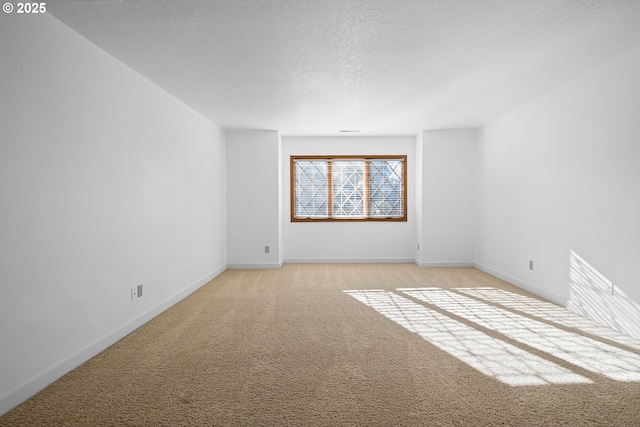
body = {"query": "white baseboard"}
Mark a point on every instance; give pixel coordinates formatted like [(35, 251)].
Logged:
[(31, 387), (443, 264), (522, 285), (249, 266), (347, 260)]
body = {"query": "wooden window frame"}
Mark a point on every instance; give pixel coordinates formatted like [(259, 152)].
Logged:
[(330, 195)]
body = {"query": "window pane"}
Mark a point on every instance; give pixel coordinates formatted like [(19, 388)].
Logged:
[(348, 188), (311, 188), (385, 188)]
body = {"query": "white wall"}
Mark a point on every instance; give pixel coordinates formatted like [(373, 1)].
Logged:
[(417, 250), (106, 182), (253, 198), (561, 174), (348, 241), (448, 190)]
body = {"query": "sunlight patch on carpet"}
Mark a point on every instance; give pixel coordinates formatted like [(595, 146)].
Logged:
[(550, 312), (490, 356), (587, 353)]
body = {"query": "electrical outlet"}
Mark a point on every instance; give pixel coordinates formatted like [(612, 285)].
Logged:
[(134, 293), (531, 265), (139, 291), (266, 249)]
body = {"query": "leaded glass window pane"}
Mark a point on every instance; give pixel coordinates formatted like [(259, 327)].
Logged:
[(311, 195), (385, 188), (348, 188)]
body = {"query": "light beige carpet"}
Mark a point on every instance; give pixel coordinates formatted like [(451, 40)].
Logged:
[(290, 347)]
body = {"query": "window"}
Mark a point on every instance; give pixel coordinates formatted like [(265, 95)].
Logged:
[(348, 188)]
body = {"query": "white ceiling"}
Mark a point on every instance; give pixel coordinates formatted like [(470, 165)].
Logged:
[(313, 67)]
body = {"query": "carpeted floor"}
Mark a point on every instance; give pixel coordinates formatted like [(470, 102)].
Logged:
[(290, 347)]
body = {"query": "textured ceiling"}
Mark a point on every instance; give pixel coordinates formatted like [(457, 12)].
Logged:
[(311, 67)]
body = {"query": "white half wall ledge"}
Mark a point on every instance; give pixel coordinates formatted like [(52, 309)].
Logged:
[(42, 380), (522, 285)]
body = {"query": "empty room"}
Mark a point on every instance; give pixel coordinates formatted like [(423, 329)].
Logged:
[(320, 213)]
